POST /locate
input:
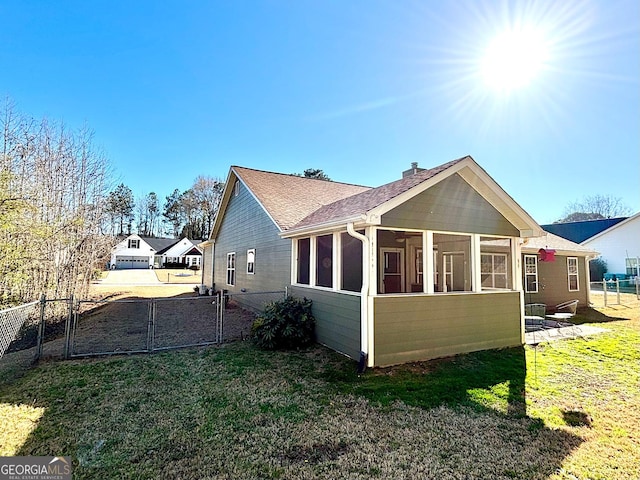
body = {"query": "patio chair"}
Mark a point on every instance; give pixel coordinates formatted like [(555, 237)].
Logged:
[(534, 314), (564, 311)]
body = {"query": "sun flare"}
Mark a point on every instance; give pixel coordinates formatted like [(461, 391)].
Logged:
[(513, 59)]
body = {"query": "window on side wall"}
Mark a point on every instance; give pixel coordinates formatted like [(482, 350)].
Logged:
[(303, 261), (251, 261), (531, 273), (231, 268), (572, 272)]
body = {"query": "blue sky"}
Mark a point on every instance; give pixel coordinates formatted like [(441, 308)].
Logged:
[(357, 88)]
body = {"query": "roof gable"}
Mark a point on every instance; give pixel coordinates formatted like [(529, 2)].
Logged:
[(285, 198), (370, 205), (359, 204)]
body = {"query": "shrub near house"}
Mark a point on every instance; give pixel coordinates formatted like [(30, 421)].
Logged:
[(285, 324)]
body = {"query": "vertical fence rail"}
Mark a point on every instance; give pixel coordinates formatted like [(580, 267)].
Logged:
[(625, 290), (220, 299), (40, 339)]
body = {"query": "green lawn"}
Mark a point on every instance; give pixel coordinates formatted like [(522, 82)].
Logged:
[(569, 409)]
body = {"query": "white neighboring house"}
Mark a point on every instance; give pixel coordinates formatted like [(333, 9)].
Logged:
[(619, 246), (136, 252), (183, 251)]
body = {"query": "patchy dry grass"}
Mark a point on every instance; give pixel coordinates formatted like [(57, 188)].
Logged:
[(565, 410), (236, 412)]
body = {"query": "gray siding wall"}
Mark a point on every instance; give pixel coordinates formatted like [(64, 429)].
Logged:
[(207, 266), (553, 283), (422, 327), (453, 206), (337, 319), (245, 225)]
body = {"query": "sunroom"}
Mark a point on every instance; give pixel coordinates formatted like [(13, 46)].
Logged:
[(421, 268)]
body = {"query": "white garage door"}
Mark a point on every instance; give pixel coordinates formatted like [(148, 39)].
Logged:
[(127, 262)]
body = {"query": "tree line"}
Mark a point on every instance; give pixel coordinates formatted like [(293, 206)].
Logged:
[(182, 214), (53, 186)]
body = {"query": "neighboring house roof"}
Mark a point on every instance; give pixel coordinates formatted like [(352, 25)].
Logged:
[(285, 198), (160, 244), (178, 248), (621, 223), (580, 231)]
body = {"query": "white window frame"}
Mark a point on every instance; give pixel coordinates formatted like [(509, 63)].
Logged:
[(251, 261), (571, 273), (492, 274), (133, 243), (236, 188), (231, 269), (535, 263)]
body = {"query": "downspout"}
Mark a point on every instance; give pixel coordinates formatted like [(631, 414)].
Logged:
[(204, 255), (364, 298)]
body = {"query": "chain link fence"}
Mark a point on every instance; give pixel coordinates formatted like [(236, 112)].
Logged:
[(19, 327), (30, 332), (66, 328)]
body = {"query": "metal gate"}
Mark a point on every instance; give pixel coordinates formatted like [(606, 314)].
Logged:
[(142, 325)]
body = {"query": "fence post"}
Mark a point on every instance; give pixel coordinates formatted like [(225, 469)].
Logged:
[(604, 291), (618, 290), (219, 324), (150, 326), (638, 287), (67, 329), (43, 303)]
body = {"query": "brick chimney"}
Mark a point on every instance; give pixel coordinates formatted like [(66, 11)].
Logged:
[(412, 171)]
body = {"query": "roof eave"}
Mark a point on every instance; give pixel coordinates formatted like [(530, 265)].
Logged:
[(320, 228)]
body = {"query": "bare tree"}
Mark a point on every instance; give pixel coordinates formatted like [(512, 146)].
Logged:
[(595, 207), (53, 186)]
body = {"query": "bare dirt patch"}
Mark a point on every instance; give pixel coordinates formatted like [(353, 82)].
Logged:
[(118, 319)]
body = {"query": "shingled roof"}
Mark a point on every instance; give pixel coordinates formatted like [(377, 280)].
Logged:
[(549, 240), (365, 201), (298, 204), (290, 198)]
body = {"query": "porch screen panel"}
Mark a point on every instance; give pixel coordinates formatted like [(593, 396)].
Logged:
[(495, 263), (454, 252), (324, 261), (304, 260), (351, 263)]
